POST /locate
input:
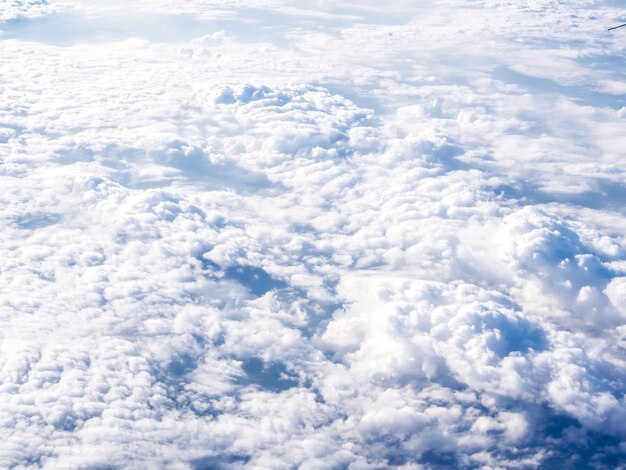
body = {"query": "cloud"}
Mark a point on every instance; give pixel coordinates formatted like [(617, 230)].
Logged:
[(12, 9), (268, 235)]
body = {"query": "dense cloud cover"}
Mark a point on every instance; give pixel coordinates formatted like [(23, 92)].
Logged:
[(316, 235)]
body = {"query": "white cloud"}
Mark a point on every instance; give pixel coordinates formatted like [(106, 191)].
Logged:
[(269, 235)]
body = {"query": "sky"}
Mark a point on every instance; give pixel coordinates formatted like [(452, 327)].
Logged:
[(271, 234)]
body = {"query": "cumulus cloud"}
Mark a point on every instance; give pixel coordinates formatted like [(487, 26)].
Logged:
[(269, 235)]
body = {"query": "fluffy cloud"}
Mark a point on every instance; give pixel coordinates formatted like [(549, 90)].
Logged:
[(312, 236)]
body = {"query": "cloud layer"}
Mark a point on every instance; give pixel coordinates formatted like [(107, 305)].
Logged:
[(270, 235)]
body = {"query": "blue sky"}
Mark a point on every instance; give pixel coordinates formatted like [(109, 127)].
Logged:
[(312, 235)]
